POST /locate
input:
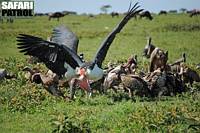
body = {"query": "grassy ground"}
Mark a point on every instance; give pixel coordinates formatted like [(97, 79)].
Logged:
[(26, 107)]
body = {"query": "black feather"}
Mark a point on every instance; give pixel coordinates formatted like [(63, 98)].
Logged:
[(103, 49), (52, 54)]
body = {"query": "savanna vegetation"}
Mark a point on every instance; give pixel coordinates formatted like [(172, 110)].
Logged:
[(27, 107)]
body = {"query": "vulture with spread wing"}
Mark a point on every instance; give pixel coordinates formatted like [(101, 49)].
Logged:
[(60, 54)]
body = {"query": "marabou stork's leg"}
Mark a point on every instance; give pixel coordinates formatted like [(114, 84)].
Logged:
[(73, 85), (89, 90)]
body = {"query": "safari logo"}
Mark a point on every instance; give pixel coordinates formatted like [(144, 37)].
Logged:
[(17, 9)]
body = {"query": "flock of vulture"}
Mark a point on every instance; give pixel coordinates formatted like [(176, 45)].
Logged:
[(70, 70)]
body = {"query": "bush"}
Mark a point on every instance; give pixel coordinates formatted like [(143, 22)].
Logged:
[(29, 97), (64, 124)]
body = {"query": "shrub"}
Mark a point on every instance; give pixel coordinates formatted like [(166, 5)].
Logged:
[(64, 124)]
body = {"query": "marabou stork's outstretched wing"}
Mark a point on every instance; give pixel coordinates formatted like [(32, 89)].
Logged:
[(52, 54), (102, 51), (63, 35)]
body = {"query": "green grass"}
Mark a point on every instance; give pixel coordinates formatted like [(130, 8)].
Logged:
[(132, 39), (25, 107)]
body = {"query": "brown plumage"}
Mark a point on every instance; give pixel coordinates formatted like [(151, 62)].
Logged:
[(158, 58), (30, 72), (50, 80), (179, 61), (118, 79), (134, 85), (112, 80), (163, 83), (176, 66), (189, 76), (156, 82), (131, 64)]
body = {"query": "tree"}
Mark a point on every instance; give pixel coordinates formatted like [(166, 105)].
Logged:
[(183, 10), (105, 8)]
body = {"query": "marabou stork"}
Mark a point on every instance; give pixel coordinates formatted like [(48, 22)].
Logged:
[(60, 54)]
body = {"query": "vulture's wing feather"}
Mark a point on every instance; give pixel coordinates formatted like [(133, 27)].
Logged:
[(64, 36), (102, 51), (52, 54)]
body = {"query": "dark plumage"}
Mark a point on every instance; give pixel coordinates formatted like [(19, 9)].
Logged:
[(60, 54), (158, 58), (134, 85), (101, 53), (189, 76), (63, 35), (52, 54), (55, 53)]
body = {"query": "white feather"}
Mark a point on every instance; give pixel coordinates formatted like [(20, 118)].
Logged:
[(71, 73), (95, 74)]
